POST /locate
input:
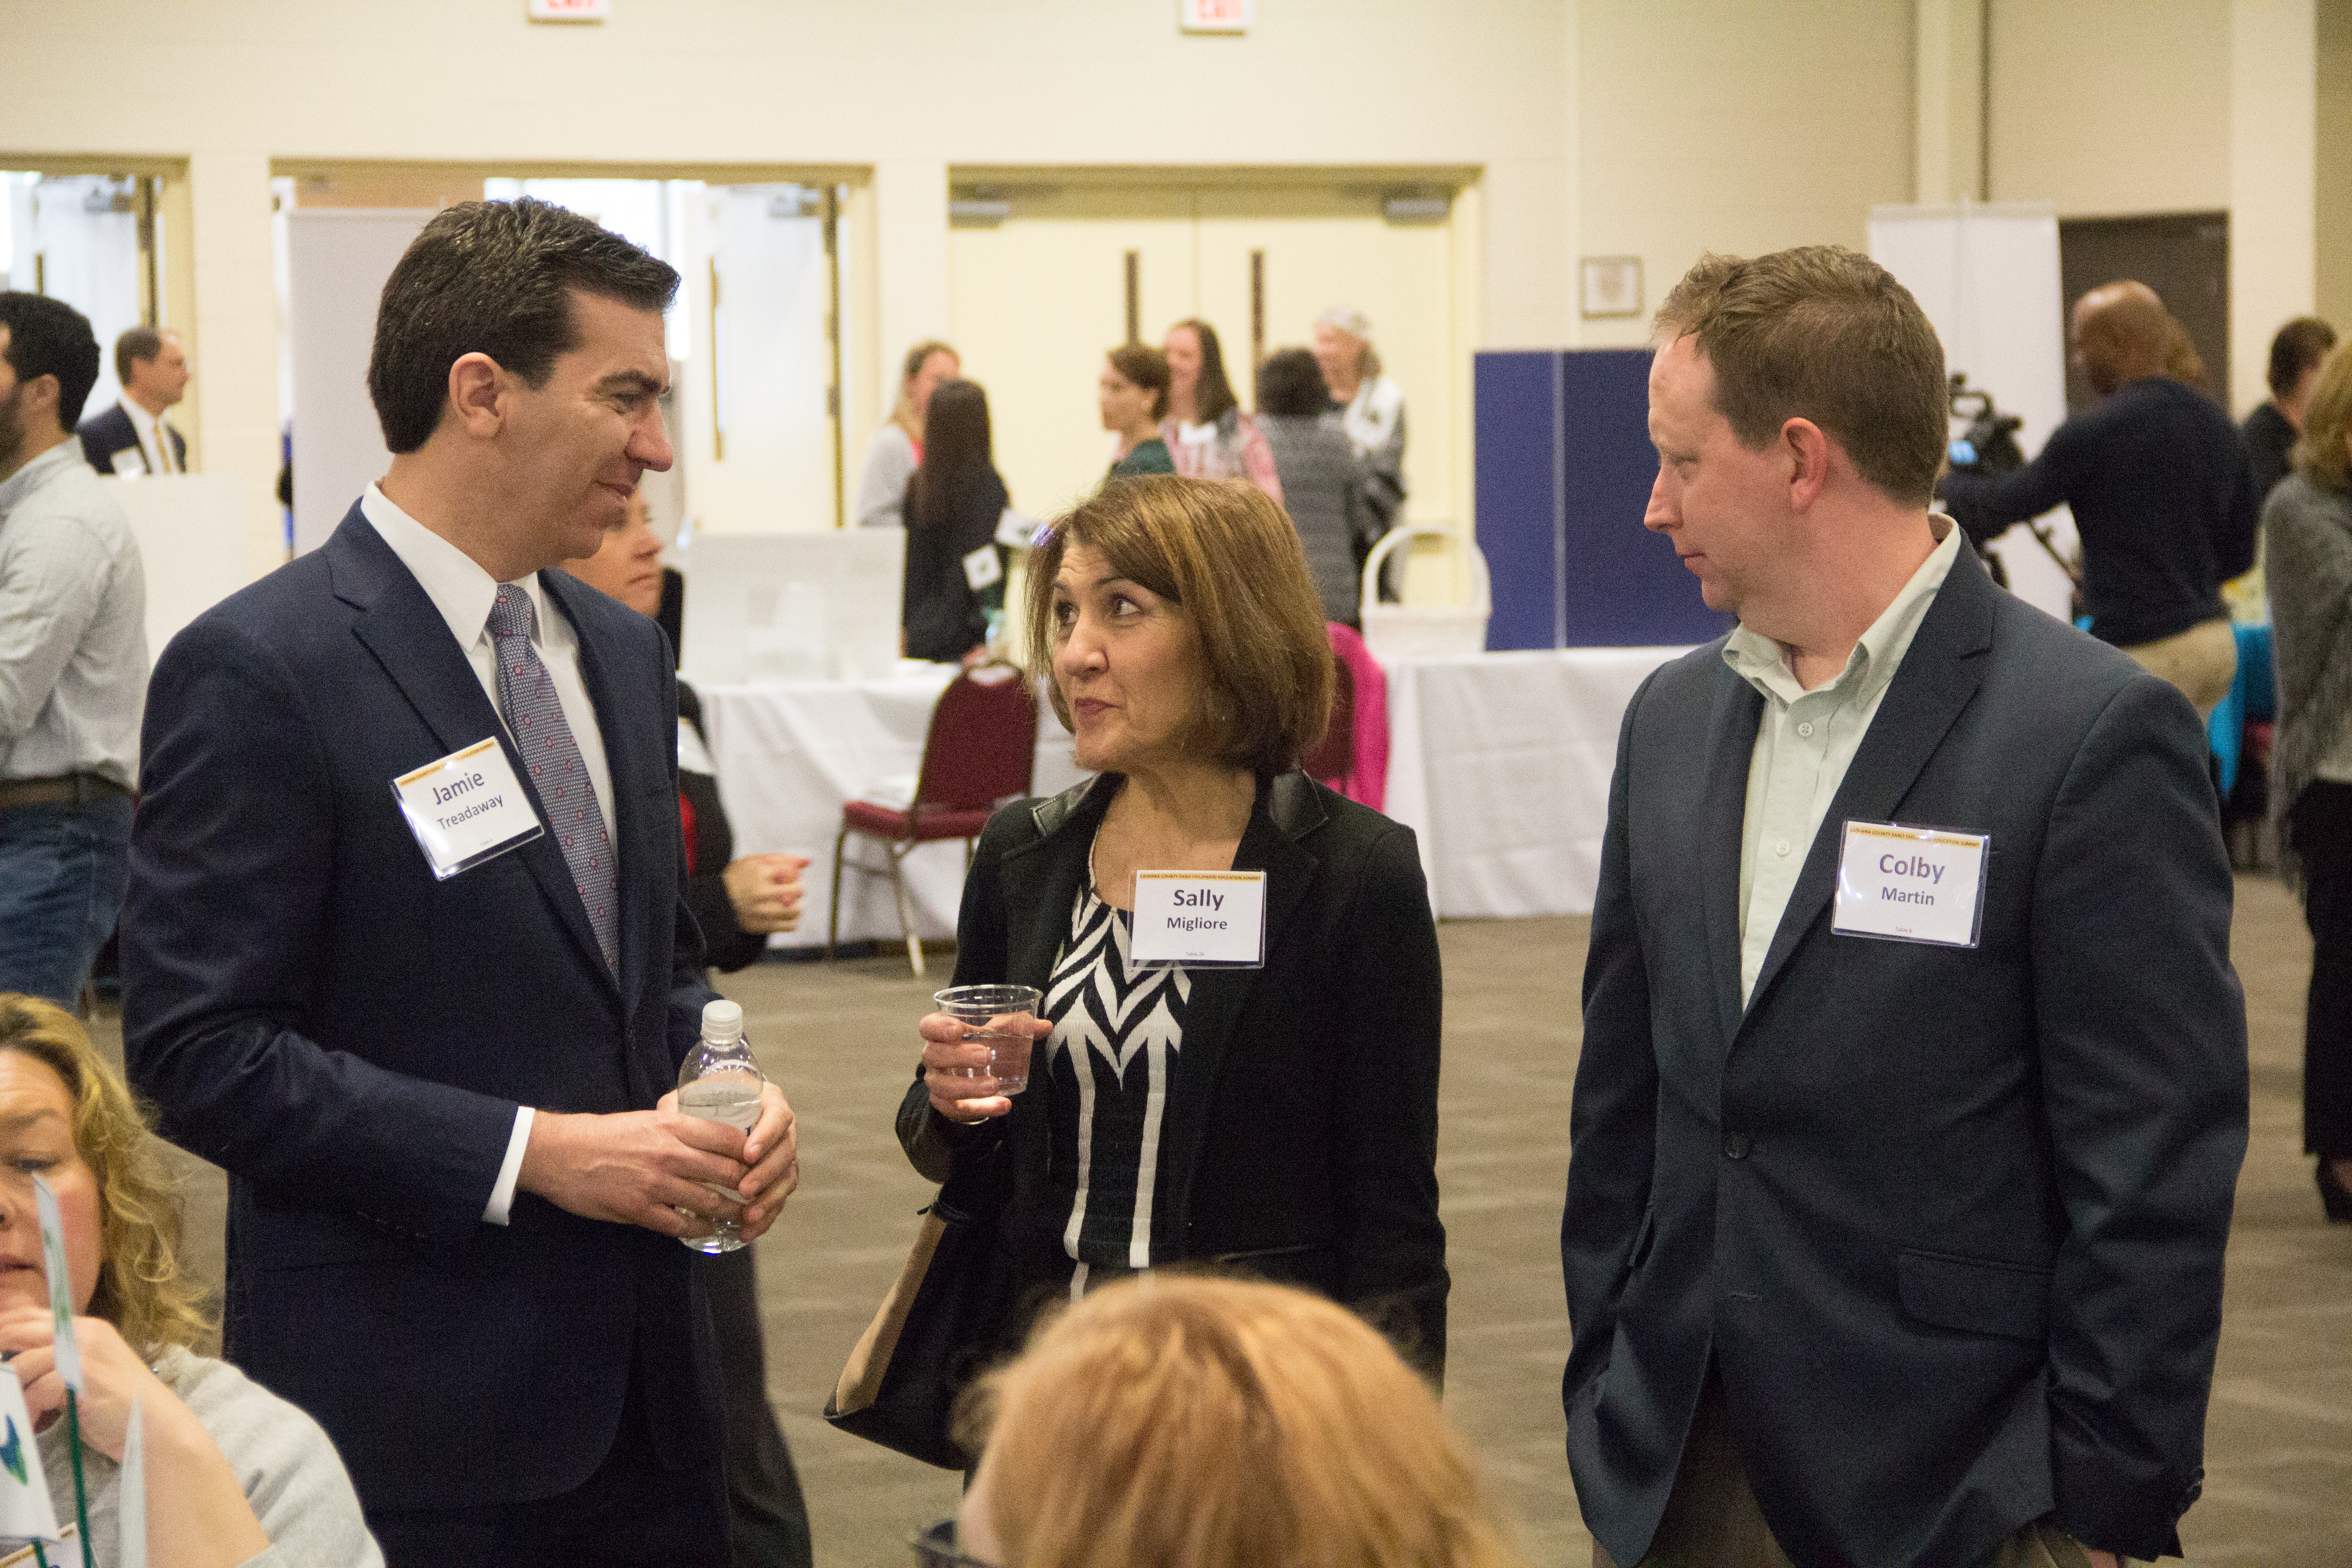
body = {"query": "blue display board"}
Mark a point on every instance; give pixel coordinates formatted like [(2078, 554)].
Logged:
[(1564, 471)]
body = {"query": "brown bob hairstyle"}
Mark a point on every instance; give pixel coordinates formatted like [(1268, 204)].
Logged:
[(1231, 558)]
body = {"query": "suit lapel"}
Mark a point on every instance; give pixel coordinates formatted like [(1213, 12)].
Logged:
[(398, 623), (1731, 748), (1286, 812), (1939, 676)]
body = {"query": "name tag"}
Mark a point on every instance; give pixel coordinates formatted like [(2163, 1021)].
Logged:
[(129, 463), (984, 568), (1910, 884), (1201, 919), (466, 809)]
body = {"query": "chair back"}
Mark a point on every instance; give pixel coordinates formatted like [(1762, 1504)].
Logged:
[(983, 745), (1333, 757)]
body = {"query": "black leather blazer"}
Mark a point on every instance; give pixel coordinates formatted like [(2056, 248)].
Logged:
[(1300, 1138)]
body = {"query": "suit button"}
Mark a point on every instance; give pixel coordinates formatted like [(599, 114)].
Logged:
[(1734, 1145)]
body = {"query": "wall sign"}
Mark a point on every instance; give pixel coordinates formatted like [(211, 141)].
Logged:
[(569, 10), (1215, 16)]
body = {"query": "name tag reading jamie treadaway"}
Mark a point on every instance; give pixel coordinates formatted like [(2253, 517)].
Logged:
[(466, 809), (1201, 919), (1910, 884)]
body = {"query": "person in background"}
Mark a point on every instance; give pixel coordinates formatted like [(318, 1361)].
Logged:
[(1292, 1432), (2271, 430), (2160, 491), (1281, 1117), (1372, 404), (891, 456), (133, 438), (235, 1474), (1208, 436), (1322, 489), (73, 662), (1133, 392), (2307, 524), (737, 901), (955, 570)]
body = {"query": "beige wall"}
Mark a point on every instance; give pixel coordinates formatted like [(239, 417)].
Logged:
[(2333, 160), (1705, 126)]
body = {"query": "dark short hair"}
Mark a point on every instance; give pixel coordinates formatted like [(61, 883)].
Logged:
[(494, 277), (1291, 383), (1213, 395), (1823, 333), (136, 347), (1231, 558), (1146, 367), (49, 337), (2300, 345)]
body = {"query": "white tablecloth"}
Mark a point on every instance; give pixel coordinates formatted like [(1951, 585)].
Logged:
[(789, 754), (1500, 763)]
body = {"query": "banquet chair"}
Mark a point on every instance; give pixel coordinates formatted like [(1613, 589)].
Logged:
[(1333, 758), (980, 753)]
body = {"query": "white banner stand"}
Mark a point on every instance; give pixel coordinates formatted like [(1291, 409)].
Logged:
[(196, 543), (337, 260), (1987, 278)]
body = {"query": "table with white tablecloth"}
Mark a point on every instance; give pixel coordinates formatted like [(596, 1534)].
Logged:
[(789, 754), (1500, 763)]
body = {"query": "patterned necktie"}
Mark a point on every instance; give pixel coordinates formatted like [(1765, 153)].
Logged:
[(536, 719)]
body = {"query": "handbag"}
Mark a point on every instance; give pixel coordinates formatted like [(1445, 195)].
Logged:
[(944, 1321)]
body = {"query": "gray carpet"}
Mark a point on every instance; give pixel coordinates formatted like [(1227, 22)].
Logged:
[(2279, 1442)]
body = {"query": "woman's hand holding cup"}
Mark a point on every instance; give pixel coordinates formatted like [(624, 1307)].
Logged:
[(959, 1058)]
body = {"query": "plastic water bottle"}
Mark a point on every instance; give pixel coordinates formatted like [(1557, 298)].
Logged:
[(720, 1083)]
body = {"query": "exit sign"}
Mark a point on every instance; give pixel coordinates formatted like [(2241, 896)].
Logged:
[(570, 10), (1215, 16)]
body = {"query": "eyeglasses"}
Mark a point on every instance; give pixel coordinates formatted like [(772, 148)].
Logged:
[(936, 1548)]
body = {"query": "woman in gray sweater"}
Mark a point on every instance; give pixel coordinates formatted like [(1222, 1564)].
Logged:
[(234, 1473), (1322, 488), (2308, 524)]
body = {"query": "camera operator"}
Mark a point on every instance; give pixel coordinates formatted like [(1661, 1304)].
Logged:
[(2160, 491)]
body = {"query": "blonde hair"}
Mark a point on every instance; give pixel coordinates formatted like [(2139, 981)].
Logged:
[(141, 1288), (2322, 455), (1175, 1422), (1231, 558)]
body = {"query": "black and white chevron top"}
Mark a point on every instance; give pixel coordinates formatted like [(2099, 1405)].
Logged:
[(1117, 1033)]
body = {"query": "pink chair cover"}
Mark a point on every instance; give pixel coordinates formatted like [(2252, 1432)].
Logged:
[(1367, 781)]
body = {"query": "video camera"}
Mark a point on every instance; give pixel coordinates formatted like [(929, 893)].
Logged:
[(1988, 445)]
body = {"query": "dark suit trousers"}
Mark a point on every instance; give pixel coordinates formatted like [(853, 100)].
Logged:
[(2320, 829), (763, 1493), (634, 1512), (1712, 1519)]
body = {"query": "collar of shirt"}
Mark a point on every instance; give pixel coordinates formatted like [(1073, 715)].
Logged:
[(141, 422), (1763, 664), (38, 472), (455, 583)]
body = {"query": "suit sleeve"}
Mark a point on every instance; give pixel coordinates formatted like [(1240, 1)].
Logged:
[(932, 1142), (1391, 1242), (225, 925), (1613, 1119), (2145, 1081)]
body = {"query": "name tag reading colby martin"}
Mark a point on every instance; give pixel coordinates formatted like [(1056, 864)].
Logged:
[(1910, 884), (466, 809), (1202, 920)]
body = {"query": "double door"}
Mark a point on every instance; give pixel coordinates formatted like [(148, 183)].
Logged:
[(1036, 300)]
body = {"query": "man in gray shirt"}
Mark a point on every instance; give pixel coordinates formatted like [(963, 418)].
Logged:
[(73, 661)]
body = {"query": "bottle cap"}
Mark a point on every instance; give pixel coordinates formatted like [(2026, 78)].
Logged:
[(722, 1021)]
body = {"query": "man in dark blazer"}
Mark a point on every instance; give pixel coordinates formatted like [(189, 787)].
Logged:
[(1881, 1249), (133, 439), (441, 1084)]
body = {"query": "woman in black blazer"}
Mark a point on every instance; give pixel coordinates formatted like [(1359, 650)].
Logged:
[(1279, 1120)]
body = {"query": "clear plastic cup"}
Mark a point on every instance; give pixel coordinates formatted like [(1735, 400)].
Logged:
[(1003, 1016)]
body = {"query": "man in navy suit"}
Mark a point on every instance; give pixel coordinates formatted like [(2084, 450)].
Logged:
[(1913, 1090), (441, 1082), (132, 437)]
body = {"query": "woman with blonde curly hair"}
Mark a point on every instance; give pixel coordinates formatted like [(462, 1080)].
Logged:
[(235, 1475), (1198, 1423)]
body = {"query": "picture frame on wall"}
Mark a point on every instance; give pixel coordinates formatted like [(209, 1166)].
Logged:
[(1613, 286)]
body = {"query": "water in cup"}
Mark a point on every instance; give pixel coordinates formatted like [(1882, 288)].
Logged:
[(1002, 1017)]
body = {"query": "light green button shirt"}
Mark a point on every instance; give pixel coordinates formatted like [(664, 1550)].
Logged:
[(1806, 742)]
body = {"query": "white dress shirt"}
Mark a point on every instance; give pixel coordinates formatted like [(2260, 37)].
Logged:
[(154, 444), (1806, 742), (465, 594)]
